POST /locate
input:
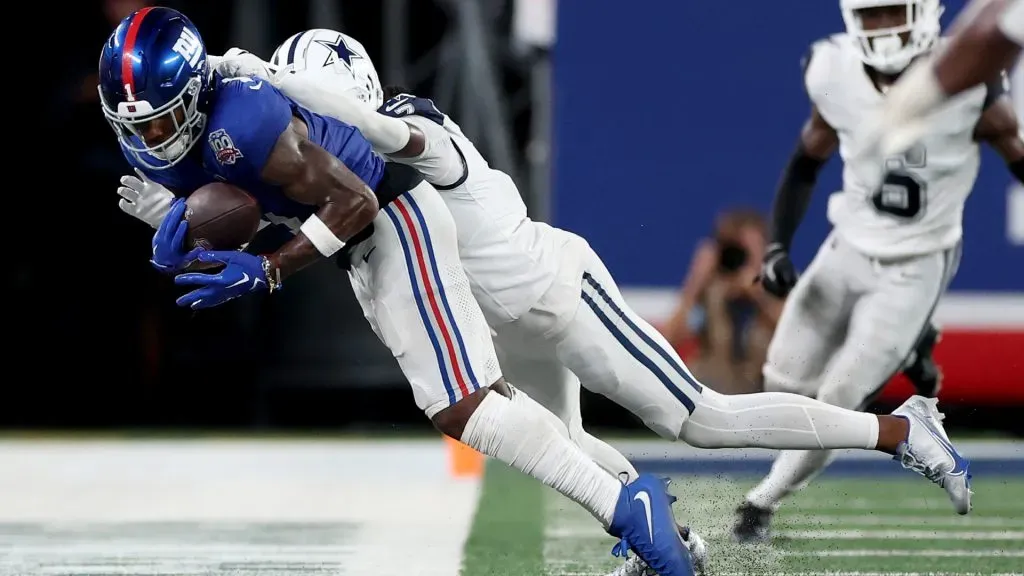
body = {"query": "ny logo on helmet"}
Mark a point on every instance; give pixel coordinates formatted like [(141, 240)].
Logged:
[(189, 47)]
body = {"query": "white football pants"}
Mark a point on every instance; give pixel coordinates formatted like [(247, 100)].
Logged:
[(411, 285), (845, 330), (583, 324)]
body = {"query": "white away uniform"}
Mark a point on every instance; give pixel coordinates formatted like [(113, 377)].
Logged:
[(861, 305), (552, 304)]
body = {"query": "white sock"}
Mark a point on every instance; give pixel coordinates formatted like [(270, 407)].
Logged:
[(519, 432), (776, 420), (608, 458), (791, 471)]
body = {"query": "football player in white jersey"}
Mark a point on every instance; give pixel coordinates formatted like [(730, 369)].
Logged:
[(408, 277), (552, 304), (862, 304), (989, 40)]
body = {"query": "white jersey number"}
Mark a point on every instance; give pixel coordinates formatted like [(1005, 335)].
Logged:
[(903, 194), (409, 105)]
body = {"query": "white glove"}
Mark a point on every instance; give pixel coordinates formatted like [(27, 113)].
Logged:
[(144, 199), (237, 62)]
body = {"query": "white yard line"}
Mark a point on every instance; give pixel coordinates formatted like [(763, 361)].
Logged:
[(576, 547), (907, 553), (573, 532), (349, 507), (950, 521), (755, 572), (429, 533), (877, 505), (900, 535), (871, 574)]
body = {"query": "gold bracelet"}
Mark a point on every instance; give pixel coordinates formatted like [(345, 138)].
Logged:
[(273, 277)]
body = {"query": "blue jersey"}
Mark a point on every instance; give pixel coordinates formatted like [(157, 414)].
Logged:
[(244, 120)]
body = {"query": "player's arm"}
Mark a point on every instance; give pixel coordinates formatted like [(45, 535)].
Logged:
[(1000, 128), (388, 135), (818, 141), (308, 174)]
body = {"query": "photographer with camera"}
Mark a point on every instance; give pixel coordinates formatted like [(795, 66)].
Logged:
[(723, 305)]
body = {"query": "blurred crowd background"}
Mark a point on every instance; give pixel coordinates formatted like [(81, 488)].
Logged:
[(655, 129)]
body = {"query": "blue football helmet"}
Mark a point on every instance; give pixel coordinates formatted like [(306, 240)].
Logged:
[(153, 77)]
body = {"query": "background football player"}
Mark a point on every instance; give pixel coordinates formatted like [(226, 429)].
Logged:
[(862, 304)]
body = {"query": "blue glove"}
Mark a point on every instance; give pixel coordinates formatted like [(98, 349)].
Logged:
[(242, 273), (168, 253)]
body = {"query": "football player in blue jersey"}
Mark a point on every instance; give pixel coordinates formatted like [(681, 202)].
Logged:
[(182, 126), (158, 93)]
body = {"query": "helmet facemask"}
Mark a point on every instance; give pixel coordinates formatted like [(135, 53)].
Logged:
[(891, 49), (131, 118)]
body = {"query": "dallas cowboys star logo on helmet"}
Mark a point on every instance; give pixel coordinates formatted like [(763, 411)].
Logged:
[(338, 51)]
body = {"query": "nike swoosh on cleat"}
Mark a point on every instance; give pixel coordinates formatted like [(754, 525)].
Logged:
[(645, 499), (958, 467)]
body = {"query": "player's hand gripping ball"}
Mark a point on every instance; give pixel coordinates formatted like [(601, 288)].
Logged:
[(170, 254), (242, 273)]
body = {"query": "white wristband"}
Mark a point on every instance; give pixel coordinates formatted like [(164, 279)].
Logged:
[(321, 236)]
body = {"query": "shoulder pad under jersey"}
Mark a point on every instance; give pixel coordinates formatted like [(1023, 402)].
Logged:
[(817, 64)]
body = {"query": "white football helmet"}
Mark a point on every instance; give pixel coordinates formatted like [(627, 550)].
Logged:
[(335, 57), (884, 49)]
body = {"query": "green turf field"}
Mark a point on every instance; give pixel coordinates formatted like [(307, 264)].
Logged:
[(895, 525)]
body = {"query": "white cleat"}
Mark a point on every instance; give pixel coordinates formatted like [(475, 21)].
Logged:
[(698, 550), (634, 566), (928, 451)]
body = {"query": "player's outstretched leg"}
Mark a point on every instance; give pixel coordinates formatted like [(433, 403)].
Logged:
[(531, 364), (913, 433), (411, 284), (528, 363), (926, 450), (618, 354), (506, 424)]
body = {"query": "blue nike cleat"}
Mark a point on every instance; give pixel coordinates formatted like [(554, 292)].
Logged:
[(644, 522)]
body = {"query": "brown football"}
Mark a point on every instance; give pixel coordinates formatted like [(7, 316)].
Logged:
[(221, 217)]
